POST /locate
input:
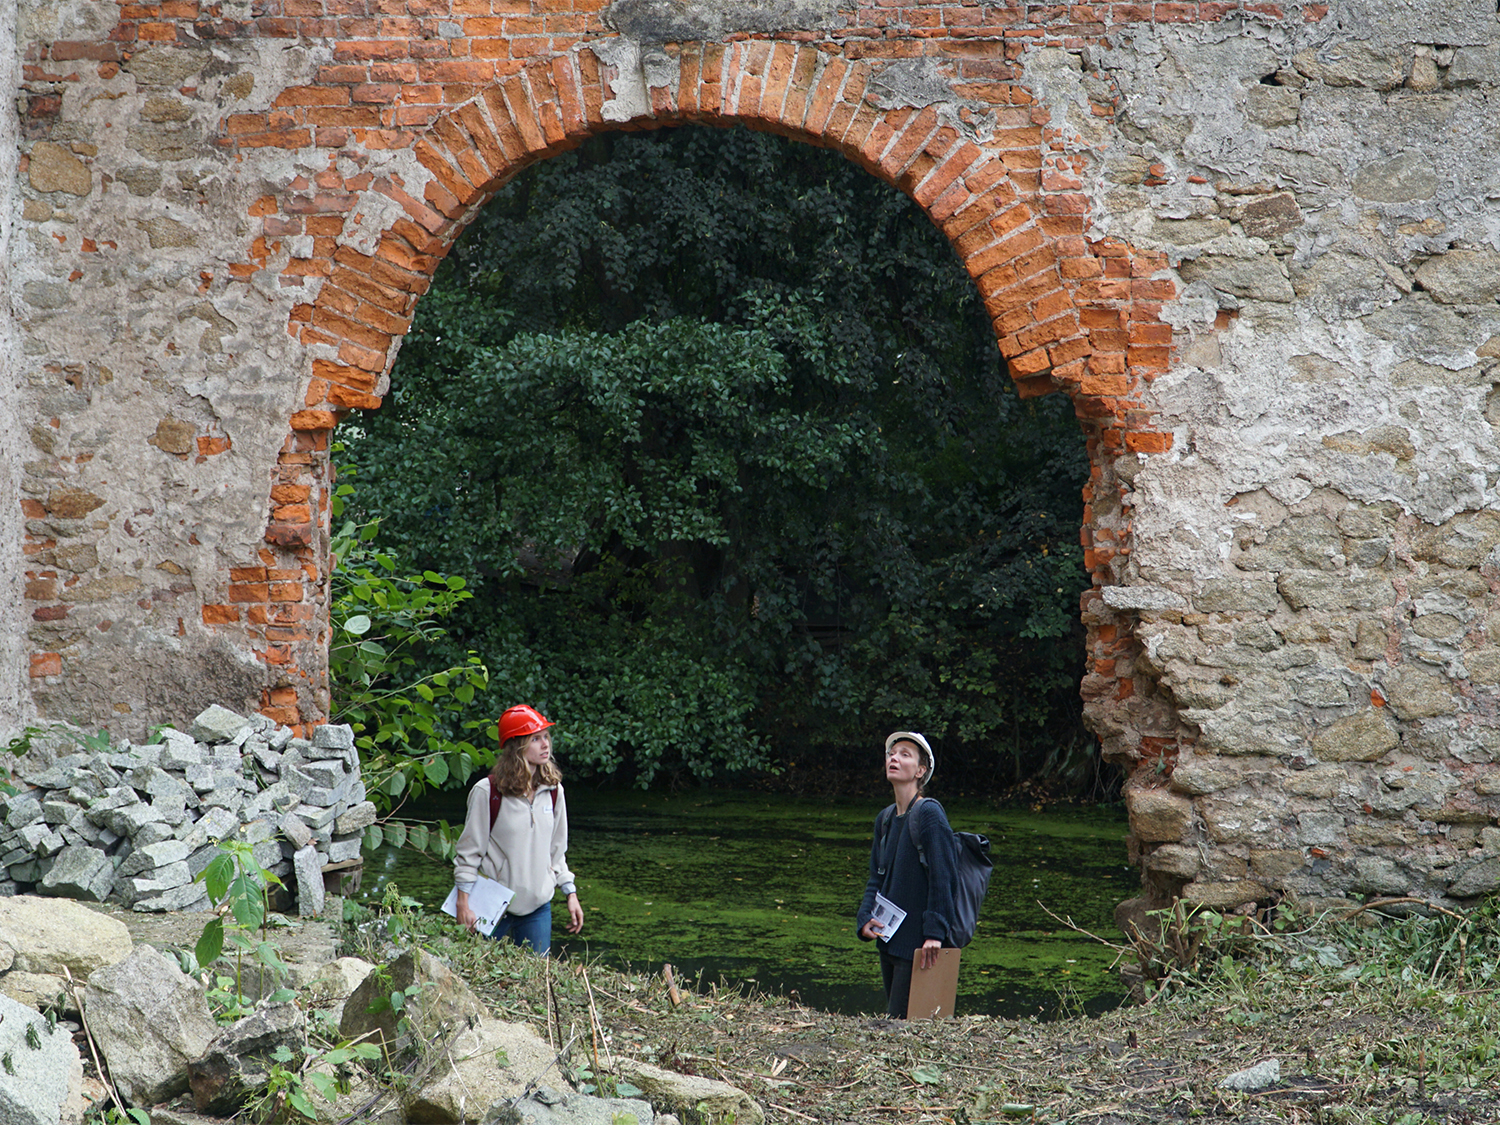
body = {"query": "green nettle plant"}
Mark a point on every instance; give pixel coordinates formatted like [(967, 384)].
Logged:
[(233, 879), (412, 721), (236, 883), (287, 1092)]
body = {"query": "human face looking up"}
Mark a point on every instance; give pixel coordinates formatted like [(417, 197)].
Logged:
[(538, 750), (905, 761)]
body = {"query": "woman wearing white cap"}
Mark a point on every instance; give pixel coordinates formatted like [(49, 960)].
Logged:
[(516, 832), (912, 866)]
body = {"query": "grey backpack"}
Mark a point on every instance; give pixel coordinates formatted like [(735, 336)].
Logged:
[(971, 876)]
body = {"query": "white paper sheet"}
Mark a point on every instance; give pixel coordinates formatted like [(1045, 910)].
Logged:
[(487, 900), (889, 915)]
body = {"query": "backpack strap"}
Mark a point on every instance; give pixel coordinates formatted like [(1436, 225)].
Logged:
[(885, 829), (916, 837), (885, 833), (495, 804)]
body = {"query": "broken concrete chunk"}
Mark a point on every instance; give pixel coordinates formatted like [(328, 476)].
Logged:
[(1256, 1077), (331, 737), (357, 818), (81, 872), (310, 893), (217, 724)]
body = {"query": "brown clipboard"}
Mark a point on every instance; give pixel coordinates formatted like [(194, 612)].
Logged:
[(934, 990)]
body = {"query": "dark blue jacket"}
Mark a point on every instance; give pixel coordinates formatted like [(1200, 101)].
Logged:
[(925, 893)]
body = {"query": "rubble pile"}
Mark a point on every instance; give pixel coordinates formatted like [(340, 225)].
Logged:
[(138, 824)]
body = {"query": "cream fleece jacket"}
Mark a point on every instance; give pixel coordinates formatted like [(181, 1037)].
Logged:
[(527, 851)]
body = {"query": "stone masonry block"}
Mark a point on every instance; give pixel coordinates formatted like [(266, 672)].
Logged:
[(358, 817), (1157, 815), (1365, 736), (308, 867), (1414, 694), (325, 773), (149, 857), (80, 872), (295, 830), (218, 724), (1229, 595), (333, 737)]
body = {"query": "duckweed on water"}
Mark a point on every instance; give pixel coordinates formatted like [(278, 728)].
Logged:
[(762, 890)]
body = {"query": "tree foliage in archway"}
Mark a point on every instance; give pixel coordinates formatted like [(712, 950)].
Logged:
[(715, 427)]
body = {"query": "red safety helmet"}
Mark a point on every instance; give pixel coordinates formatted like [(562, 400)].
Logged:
[(521, 720)]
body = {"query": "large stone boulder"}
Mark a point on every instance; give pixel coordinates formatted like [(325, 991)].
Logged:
[(333, 983), (37, 990), (238, 1063), (690, 1097), (150, 1019), (480, 1065), (435, 998), (550, 1107), (44, 1067), (48, 934)]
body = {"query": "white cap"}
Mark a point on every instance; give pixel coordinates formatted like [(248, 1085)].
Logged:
[(913, 736)]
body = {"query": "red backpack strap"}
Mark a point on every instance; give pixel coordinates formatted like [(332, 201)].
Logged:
[(495, 804)]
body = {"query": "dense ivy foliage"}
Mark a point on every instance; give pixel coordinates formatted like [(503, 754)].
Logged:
[(715, 428)]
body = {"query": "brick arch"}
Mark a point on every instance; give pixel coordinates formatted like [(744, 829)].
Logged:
[(1017, 228), (1070, 314)]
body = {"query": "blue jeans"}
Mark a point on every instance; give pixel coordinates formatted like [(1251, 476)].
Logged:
[(534, 929)]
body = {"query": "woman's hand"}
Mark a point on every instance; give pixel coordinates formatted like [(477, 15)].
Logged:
[(466, 917), (871, 930), (575, 914), (930, 949)]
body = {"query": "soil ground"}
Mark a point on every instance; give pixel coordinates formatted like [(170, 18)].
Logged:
[(1363, 1033), (1353, 1046)]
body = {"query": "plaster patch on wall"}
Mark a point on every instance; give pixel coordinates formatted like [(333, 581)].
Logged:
[(372, 216), (681, 21), (630, 97), (16, 709), (916, 83)]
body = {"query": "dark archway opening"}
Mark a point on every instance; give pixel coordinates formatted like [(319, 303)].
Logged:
[(716, 428)]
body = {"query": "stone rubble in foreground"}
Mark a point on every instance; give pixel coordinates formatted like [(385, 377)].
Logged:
[(138, 824)]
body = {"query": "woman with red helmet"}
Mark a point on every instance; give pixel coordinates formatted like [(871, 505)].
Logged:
[(520, 838)]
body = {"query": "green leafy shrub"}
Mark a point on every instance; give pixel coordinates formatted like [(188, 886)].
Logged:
[(735, 470), (410, 720)]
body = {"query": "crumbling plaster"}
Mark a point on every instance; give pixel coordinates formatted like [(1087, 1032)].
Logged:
[(13, 685), (1284, 353)]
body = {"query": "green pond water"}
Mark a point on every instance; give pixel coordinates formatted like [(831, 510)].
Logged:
[(762, 890)]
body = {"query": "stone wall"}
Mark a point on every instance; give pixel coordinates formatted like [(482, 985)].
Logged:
[(1254, 243)]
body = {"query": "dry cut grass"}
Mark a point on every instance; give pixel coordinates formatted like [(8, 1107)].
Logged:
[(1395, 1023)]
